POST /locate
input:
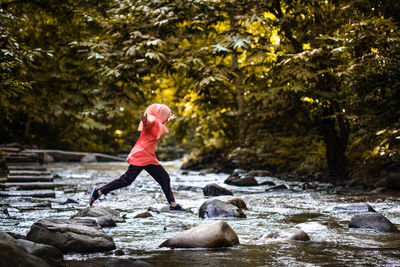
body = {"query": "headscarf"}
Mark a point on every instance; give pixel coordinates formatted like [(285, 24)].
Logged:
[(161, 114)]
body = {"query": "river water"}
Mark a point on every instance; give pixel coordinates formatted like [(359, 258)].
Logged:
[(332, 242)]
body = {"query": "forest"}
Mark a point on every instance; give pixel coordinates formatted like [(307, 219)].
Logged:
[(299, 87)]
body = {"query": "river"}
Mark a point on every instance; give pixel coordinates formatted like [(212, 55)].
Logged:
[(332, 242)]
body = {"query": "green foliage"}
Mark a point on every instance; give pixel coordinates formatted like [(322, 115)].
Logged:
[(287, 85)]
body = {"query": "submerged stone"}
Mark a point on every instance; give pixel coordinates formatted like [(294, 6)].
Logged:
[(211, 235), (286, 234)]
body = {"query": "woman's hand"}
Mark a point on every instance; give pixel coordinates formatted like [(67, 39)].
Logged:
[(170, 118), (144, 119)]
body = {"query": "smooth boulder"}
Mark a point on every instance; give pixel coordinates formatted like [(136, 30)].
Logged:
[(216, 190), (286, 234), (12, 255), (105, 216), (372, 220), (48, 253), (71, 235), (211, 235), (216, 208)]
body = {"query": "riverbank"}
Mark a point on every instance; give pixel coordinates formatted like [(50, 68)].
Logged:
[(365, 177), (269, 210)]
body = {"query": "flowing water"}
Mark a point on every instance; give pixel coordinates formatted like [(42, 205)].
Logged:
[(332, 242)]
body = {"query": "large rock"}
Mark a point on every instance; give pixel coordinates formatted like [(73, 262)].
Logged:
[(374, 221), (48, 253), (71, 235), (216, 208), (211, 235), (105, 216), (354, 207), (216, 190), (241, 180), (286, 234), (12, 255)]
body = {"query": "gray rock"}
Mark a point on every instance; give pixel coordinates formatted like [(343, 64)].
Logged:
[(241, 180), (106, 217), (71, 235), (354, 207), (286, 234), (126, 263), (211, 235), (216, 190), (280, 187), (12, 255), (48, 253), (216, 208), (372, 220)]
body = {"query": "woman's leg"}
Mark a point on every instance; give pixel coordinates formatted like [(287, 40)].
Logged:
[(162, 177), (126, 179)]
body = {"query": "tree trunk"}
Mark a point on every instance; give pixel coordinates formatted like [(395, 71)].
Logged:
[(240, 98), (335, 143)]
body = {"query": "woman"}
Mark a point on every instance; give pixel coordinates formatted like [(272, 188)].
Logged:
[(142, 156)]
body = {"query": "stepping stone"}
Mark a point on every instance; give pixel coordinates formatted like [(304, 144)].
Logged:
[(31, 186), (29, 193), (28, 173), (37, 178)]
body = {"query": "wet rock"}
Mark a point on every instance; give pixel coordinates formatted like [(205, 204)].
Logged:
[(143, 215), (241, 180), (12, 255), (260, 173), (372, 220), (174, 226), (185, 173), (118, 252), (216, 208), (69, 201), (301, 217), (126, 263), (355, 207), (281, 187), (71, 235), (308, 186), (286, 234), (7, 238), (265, 182), (211, 235), (238, 202), (106, 217), (216, 190), (48, 253)]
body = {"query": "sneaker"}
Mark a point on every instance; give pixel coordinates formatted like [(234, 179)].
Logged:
[(177, 208), (93, 196)]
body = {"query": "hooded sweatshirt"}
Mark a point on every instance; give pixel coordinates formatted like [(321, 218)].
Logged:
[(143, 153)]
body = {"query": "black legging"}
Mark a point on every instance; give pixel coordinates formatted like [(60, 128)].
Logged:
[(156, 171)]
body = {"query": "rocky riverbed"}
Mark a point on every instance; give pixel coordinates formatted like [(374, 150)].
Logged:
[(276, 222)]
